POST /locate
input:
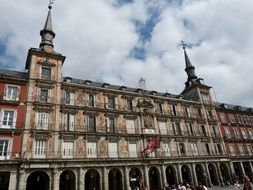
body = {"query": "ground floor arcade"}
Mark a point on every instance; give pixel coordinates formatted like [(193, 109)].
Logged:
[(120, 176)]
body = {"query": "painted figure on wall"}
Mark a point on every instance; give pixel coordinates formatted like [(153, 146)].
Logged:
[(120, 102), (123, 148), (103, 149), (122, 124), (148, 120), (102, 122), (101, 100), (80, 147)]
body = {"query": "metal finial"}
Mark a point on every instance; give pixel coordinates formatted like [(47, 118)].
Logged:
[(183, 44), (50, 4)]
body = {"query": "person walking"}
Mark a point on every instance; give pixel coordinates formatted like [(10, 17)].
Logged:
[(247, 185)]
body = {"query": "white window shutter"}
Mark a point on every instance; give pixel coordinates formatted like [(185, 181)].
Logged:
[(18, 90), (116, 102), (65, 121), (108, 124), (15, 119), (106, 102), (71, 122), (86, 100), (72, 98), (5, 92), (46, 125)]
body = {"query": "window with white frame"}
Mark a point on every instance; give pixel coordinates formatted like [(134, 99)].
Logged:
[(231, 118), (227, 132), (240, 120), (69, 98), (246, 119), (241, 150), (4, 149), (244, 133), (8, 118), (250, 133), (210, 114), (68, 122), (91, 123), (162, 127), (187, 111), (223, 118), (166, 148), (194, 149), (203, 130), (132, 150), (91, 150), (215, 131), (219, 148), (42, 120), (68, 149), (249, 150), (113, 150), (110, 124), (43, 95), (90, 100), (40, 149), (206, 98), (110, 102), (11, 93), (130, 126), (232, 149), (129, 105)]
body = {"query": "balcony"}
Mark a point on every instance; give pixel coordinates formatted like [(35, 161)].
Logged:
[(13, 100), (44, 99), (45, 77), (42, 126)]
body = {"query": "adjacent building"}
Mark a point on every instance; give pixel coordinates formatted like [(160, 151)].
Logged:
[(79, 134)]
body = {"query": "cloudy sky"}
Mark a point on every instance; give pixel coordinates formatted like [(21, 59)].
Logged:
[(119, 41)]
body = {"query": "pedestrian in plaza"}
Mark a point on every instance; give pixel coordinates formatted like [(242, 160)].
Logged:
[(247, 185), (188, 187), (237, 185)]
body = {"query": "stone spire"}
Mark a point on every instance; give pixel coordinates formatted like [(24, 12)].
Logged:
[(47, 34), (189, 68)]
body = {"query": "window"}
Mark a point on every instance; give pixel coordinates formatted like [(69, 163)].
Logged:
[(129, 105), (130, 126), (68, 122), (39, 149), (132, 150), (182, 149), (174, 109), (249, 149), (194, 149), (223, 118), (210, 114), (199, 113), (113, 150), (203, 130), (241, 150), (240, 120), (42, 120), (187, 111), (111, 103), (11, 93), (69, 98), (236, 133), (67, 149), (207, 148), (162, 127), (43, 95), (219, 149), (178, 129), (206, 98), (246, 119), (232, 149), (244, 133), (91, 124), (166, 148), (215, 131), (8, 118), (91, 150), (90, 98), (231, 118), (250, 133), (110, 125), (4, 149), (159, 108), (46, 73), (227, 132), (190, 129)]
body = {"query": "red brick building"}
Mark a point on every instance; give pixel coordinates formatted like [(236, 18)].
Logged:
[(236, 123), (13, 90)]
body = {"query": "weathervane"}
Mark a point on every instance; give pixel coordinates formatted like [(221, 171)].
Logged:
[(50, 4), (183, 44)]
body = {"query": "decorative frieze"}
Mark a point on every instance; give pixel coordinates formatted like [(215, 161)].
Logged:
[(39, 108), (46, 61)]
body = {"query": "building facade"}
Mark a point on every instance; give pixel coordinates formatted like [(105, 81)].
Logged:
[(81, 134), (236, 126), (13, 86)]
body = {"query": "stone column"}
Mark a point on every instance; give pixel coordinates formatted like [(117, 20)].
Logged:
[(146, 177), (21, 181), (55, 179), (127, 183), (81, 179), (180, 178), (105, 179), (164, 181), (13, 180), (208, 175), (195, 179), (219, 172), (243, 171)]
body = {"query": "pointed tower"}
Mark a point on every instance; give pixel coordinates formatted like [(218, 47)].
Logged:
[(47, 34), (190, 70)]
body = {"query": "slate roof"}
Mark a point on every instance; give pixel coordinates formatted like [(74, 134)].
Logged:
[(233, 107), (11, 73)]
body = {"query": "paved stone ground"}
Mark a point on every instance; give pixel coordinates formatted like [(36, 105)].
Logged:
[(231, 187)]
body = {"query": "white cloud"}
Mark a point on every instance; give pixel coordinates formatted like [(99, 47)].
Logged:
[(97, 38)]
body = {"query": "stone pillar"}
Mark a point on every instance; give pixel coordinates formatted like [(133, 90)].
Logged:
[(164, 181), (146, 177), (21, 181), (55, 179), (195, 179), (179, 177), (127, 183), (13, 180), (105, 179), (81, 179), (243, 171), (208, 175), (219, 172)]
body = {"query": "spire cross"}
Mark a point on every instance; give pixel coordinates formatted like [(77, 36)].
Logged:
[(50, 4)]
